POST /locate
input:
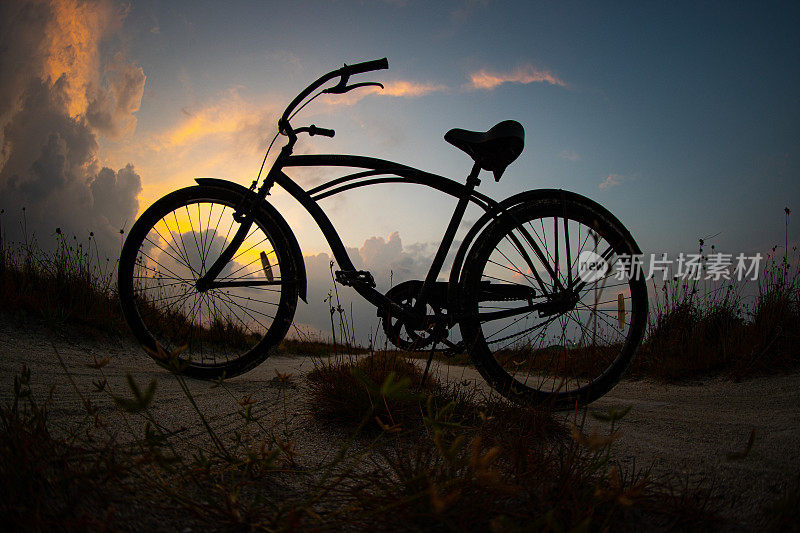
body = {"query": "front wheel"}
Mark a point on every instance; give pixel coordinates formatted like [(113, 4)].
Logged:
[(553, 306), (228, 328)]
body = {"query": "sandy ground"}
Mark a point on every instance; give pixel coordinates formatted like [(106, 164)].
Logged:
[(686, 429)]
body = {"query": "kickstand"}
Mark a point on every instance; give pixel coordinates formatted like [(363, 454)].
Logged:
[(427, 366)]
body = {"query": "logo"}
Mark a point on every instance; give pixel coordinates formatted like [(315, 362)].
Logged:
[(591, 267)]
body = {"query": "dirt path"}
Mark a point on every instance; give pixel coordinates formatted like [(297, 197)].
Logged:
[(687, 430)]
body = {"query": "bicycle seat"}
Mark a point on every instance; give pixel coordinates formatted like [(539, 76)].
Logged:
[(493, 150)]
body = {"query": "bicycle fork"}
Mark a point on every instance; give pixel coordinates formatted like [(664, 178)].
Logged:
[(207, 280)]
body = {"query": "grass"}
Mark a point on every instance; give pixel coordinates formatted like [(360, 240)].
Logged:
[(68, 285), (73, 285), (431, 457), (695, 335), (387, 384), (50, 481), (469, 464), (446, 459)]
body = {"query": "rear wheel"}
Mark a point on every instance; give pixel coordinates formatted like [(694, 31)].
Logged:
[(226, 329), (553, 308)]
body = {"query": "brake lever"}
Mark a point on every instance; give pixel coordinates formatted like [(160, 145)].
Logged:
[(342, 88)]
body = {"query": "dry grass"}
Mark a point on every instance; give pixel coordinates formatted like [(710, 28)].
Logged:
[(380, 390), (438, 457), (693, 335), (51, 482), (483, 465), (71, 284)]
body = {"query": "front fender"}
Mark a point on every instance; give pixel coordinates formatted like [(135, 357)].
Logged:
[(283, 226)]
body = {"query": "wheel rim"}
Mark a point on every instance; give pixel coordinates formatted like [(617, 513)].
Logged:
[(554, 338), (221, 324)]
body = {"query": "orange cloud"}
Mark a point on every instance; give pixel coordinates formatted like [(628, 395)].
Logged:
[(409, 89), (398, 89), (230, 118), (223, 138), (612, 181), (71, 46), (484, 79)]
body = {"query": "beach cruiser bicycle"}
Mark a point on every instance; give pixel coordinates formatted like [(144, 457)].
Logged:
[(534, 288)]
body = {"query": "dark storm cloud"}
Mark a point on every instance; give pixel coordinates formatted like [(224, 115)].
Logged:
[(50, 127)]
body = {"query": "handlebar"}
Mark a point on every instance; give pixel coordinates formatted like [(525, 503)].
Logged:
[(316, 130), (366, 66), (343, 73)]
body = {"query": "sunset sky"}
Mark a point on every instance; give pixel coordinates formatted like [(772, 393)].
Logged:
[(682, 118)]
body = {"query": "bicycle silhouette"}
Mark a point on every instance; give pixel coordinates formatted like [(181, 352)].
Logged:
[(535, 285)]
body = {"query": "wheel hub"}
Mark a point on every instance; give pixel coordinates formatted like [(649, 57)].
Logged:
[(202, 285), (559, 303)]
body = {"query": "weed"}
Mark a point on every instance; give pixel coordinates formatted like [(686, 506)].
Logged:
[(784, 513), (70, 284), (696, 331), (49, 481)]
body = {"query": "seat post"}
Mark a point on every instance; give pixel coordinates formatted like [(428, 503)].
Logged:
[(472, 178)]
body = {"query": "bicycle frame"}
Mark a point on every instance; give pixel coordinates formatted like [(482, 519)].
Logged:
[(377, 171)]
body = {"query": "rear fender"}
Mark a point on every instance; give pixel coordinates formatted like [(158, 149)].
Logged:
[(283, 226)]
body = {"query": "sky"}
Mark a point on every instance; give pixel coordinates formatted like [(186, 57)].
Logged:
[(682, 118)]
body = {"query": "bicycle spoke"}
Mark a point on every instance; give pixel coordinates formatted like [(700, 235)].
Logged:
[(221, 325), (586, 324)]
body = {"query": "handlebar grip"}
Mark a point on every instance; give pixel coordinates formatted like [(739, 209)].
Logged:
[(366, 66), (316, 130)]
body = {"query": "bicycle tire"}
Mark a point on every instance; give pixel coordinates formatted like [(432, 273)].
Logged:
[(223, 331), (558, 359)]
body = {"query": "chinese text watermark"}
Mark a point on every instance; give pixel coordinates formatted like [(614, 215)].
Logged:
[(716, 266)]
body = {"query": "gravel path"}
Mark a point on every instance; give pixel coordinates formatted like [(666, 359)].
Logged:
[(687, 429)]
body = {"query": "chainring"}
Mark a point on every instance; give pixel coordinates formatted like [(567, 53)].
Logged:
[(396, 329)]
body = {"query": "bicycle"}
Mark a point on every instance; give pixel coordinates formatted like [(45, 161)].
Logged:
[(215, 269)]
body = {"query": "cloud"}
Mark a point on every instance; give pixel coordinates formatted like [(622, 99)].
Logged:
[(612, 180), (460, 15), (72, 34), (390, 262), (387, 259), (484, 79), (397, 89), (409, 89), (114, 197), (569, 155), (224, 138), (224, 120), (55, 99), (110, 110)]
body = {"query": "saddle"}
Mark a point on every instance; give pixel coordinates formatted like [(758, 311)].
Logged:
[(493, 150)]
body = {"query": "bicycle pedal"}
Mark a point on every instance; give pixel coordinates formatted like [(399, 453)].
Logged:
[(348, 278)]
